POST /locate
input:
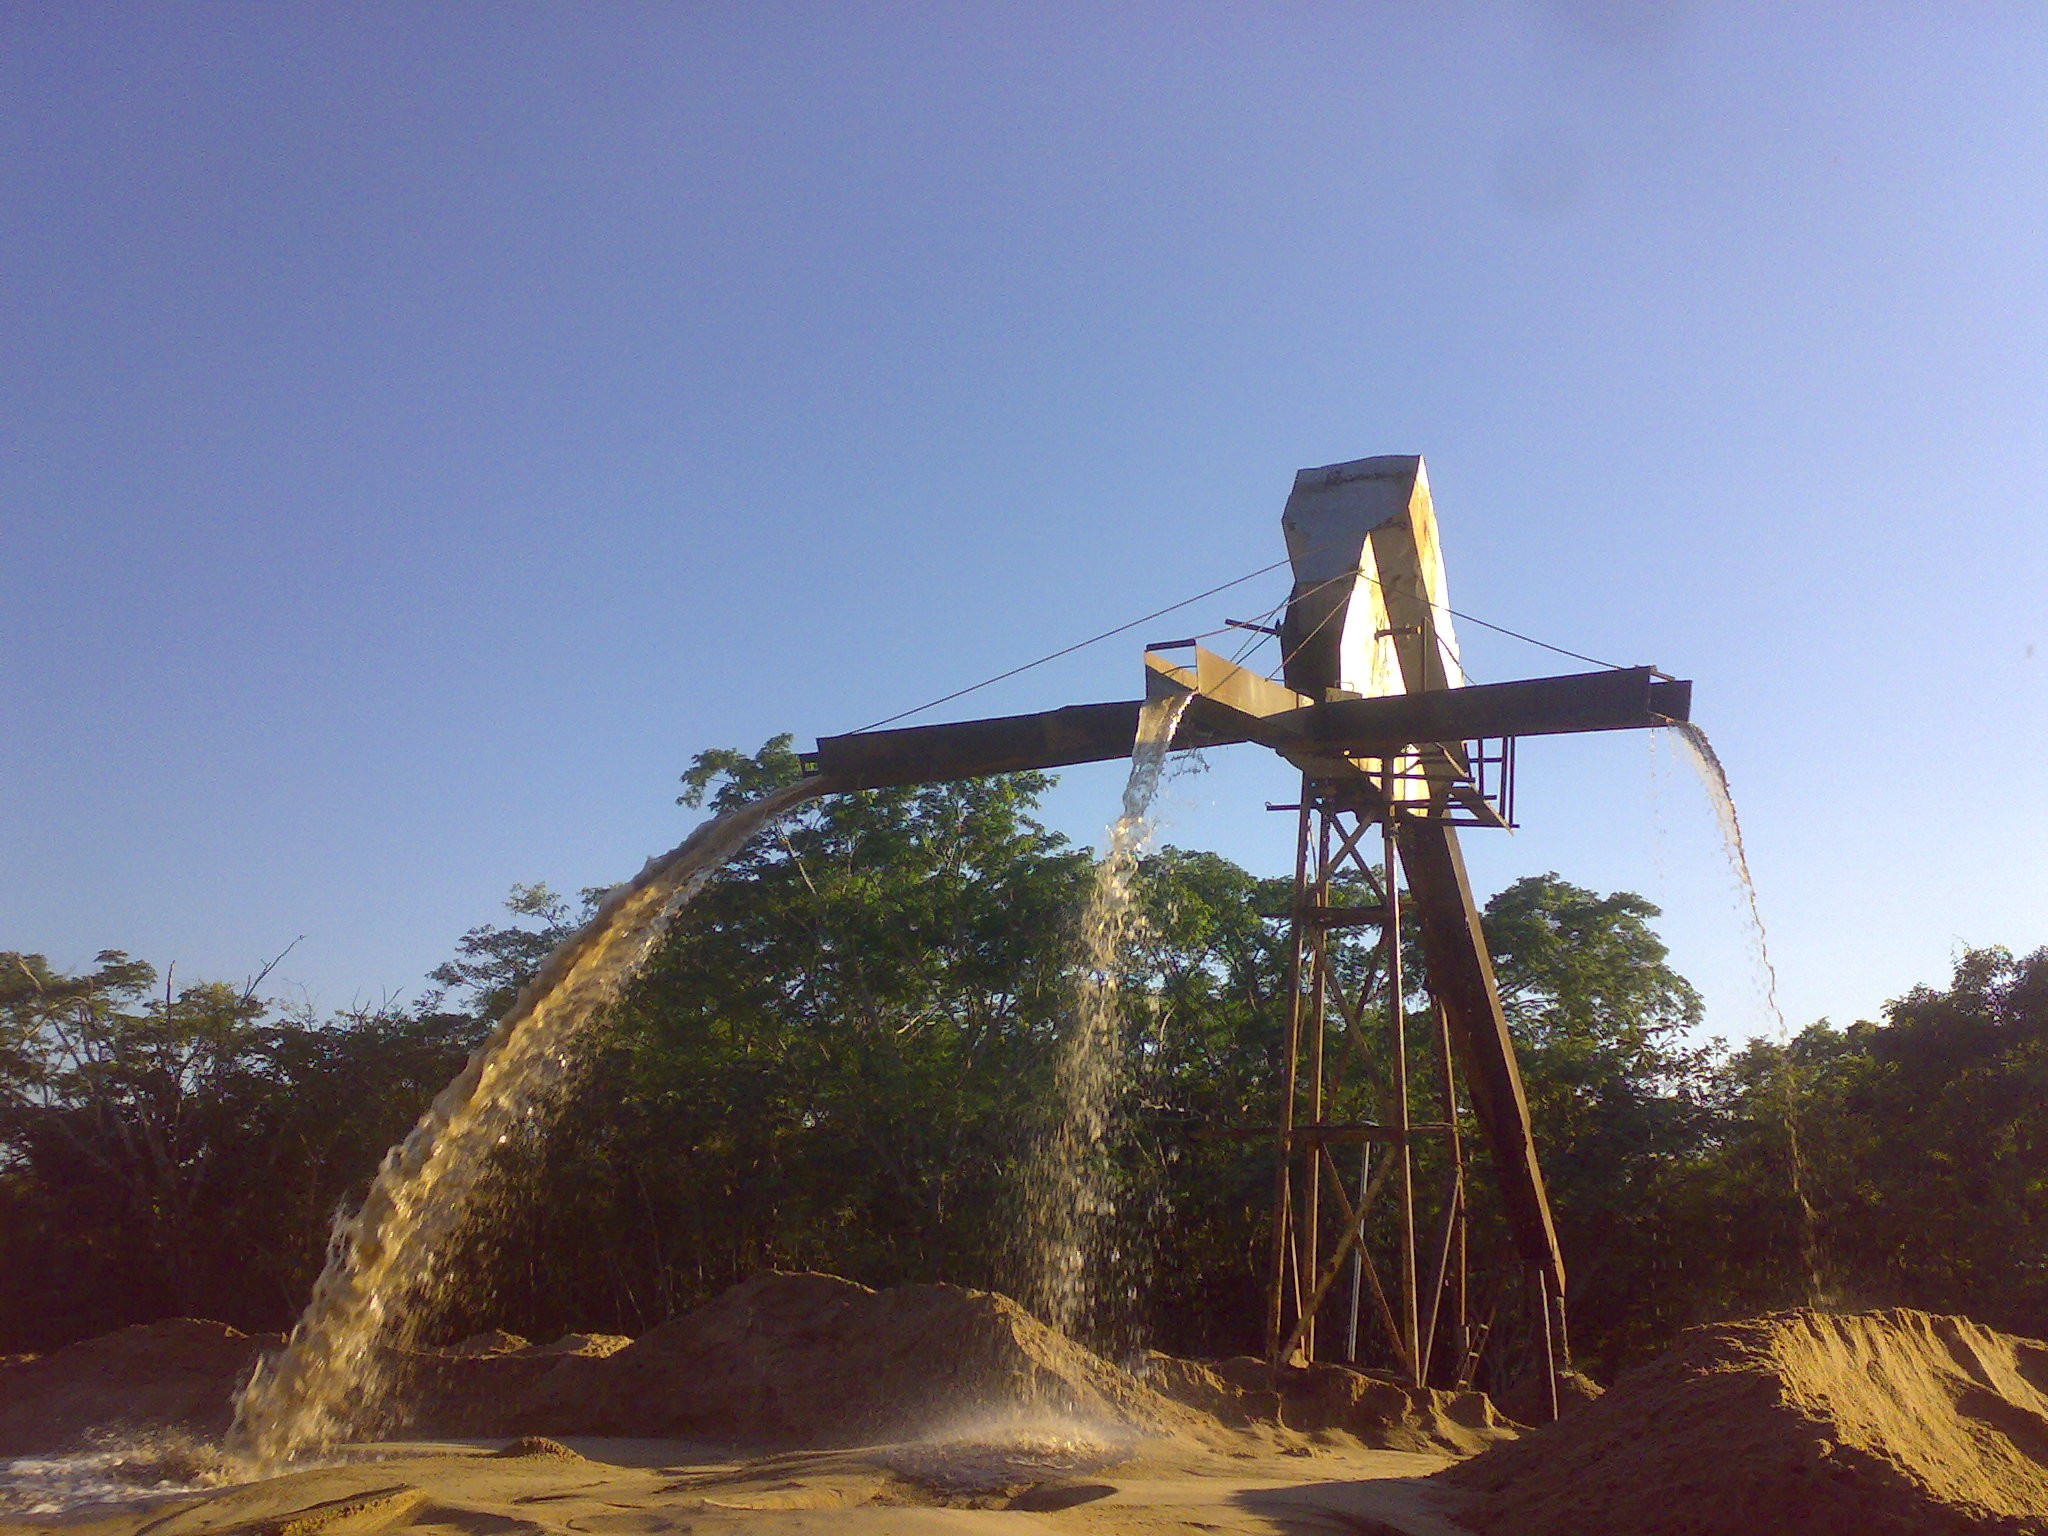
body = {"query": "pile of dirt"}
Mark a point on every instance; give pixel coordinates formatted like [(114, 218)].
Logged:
[(782, 1360), (487, 1345), (1526, 1399), (486, 1385), (813, 1360), (1879, 1423), (1371, 1406), (529, 1447), (181, 1373)]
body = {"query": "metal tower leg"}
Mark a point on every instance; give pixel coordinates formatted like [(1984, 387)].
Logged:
[(1349, 1075)]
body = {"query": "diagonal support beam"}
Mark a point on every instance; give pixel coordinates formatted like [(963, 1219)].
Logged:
[(1354, 1236), (1461, 976)]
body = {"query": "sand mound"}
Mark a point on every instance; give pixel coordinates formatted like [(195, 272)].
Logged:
[(782, 1360), (597, 1344), (1526, 1400), (1880, 1423), (1374, 1408), (181, 1373), (485, 1386), (487, 1345), (529, 1446), (806, 1359)]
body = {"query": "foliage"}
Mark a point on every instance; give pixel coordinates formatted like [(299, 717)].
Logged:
[(1920, 1148), (826, 1065), (180, 1151), (1617, 1095), (839, 1056)]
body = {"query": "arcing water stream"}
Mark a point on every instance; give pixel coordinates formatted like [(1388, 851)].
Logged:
[(1070, 1186), (382, 1262)]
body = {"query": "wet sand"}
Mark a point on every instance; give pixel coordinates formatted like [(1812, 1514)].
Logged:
[(644, 1487)]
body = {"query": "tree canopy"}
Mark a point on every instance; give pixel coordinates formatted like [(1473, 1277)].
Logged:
[(839, 1057)]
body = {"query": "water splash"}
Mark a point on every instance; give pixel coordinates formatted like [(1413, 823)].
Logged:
[(117, 1468), (1070, 1187), (1707, 763), (383, 1262)]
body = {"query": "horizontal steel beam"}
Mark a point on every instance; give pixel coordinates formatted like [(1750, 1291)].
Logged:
[(1088, 733), (928, 754), (969, 749), (1626, 699)]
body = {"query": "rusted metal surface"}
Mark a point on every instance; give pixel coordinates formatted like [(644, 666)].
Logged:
[(1455, 1224), (1404, 1160), (1461, 979), (1421, 1301), (1395, 749), (1369, 613), (1339, 1014), (1225, 682), (925, 754), (1349, 728), (1284, 1238), (1632, 699), (1335, 1131), (972, 749)]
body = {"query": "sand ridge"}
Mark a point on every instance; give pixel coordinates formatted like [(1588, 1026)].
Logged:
[(1885, 1423)]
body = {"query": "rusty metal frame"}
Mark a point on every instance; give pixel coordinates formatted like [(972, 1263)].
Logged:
[(1414, 766), (1425, 1298)]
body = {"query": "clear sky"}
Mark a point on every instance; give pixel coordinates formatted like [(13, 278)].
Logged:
[(427, 426)]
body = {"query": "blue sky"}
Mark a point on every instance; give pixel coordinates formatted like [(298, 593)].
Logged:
[(426, 427)]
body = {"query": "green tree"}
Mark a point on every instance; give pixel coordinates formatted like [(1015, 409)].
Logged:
[(119, 1119), (1618, 1096), (184, 1149), (1204, 994), (492, 961), (1920, 1146), (826, 1062)]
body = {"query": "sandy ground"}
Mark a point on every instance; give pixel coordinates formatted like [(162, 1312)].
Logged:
[(932, 1408), (1017, 1484)]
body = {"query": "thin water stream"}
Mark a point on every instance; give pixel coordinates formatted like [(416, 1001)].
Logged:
[(383, 1262), (1070, 1185), (1713, 777)]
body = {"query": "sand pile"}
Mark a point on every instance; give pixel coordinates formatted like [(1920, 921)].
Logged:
[(782, 1360), (1371, 1406), (484, 1385), (178, 1374), (806, 1359), (1883, 1423), (779, 1360)]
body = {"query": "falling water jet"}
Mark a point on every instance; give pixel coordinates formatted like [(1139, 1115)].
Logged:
[(1069, 1189), (381, 1262), (1714, 777)]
